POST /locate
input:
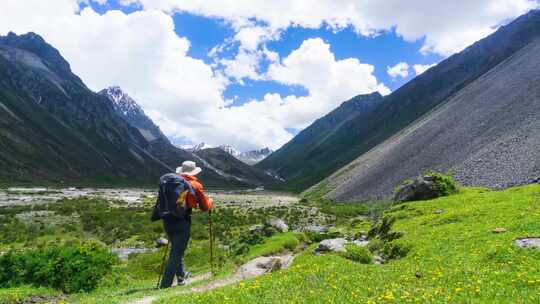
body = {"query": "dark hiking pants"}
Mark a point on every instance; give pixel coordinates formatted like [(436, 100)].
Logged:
[(178, 232)]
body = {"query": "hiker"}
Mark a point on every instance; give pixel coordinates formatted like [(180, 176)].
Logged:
[(178, 227)]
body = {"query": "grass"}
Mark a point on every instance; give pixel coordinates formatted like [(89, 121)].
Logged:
[(23, 293), (275, 244), (454, 258), (118, 224)]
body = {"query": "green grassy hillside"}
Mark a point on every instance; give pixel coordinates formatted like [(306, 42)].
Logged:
[(454, 257), (314, 153)]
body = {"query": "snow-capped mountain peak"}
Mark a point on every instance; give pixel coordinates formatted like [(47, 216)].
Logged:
[(254, 156), (122, 102), (230, 149), (199, 147), (248, 157), (128, 109)]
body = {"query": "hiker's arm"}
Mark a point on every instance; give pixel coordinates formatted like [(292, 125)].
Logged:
[(205, 203)]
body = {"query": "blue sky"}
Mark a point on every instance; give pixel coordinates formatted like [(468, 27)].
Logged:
[(253, 73)]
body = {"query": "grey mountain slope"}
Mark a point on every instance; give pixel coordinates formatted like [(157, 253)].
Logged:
[(304, 167), (488, 133)]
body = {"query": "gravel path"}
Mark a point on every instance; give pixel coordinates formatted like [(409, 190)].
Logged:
[(247, 271)]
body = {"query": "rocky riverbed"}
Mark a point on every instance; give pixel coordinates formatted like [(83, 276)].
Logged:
[(29, 196), (41, 195)]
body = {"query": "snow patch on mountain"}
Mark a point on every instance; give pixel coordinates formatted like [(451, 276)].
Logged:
[(255, 156), (230, 149), (198, 147), (248, 157), (122, 102), (127, 107)]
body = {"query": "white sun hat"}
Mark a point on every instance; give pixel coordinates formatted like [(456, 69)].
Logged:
[(189, 168)]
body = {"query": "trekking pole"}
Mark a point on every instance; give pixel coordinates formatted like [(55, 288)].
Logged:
[(162, 265), (211, 237)]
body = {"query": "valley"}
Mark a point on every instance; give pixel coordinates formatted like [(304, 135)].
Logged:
[(425, 192), (458, 247)]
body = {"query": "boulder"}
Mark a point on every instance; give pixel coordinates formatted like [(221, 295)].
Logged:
[(534, 180), (336, 245), (278, 224), (316, 228), (531, 242), (360, 242), (262, 265), (378, 260), (160, 242), (422, 188), (256, 229)]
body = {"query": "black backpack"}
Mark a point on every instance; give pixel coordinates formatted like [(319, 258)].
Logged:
[(171, 200)]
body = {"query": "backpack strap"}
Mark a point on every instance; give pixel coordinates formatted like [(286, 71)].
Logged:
[(188, 185), (195, 192)]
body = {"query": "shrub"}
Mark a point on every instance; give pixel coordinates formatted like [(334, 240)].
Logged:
[(70, 269), (382, 230), (358, 254), (144, 265), (445, 183), (254, 236), (375, 245), (394, 250), (275, 244)]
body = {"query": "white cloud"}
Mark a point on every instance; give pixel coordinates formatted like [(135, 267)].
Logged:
[(260, 123), (447, 26), (251, 37), (244, 65), (421, 68), (251, 51), (401, 69), (141, 53)]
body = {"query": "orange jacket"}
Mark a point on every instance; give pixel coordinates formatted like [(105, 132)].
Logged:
[(200, 200)]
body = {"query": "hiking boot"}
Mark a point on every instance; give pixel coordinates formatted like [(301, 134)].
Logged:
[(182, 280)]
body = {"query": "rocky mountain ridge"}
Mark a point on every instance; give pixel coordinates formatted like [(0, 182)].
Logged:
[(249, 157), (128, 108), (53, 129)]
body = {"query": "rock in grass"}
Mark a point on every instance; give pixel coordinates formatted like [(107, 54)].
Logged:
[(336, 245), (499, 230), (278, 224), (378, 260), (316, 228), (160, 242), (531, 242), (534, 180), (360, 242), (262, 265)]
